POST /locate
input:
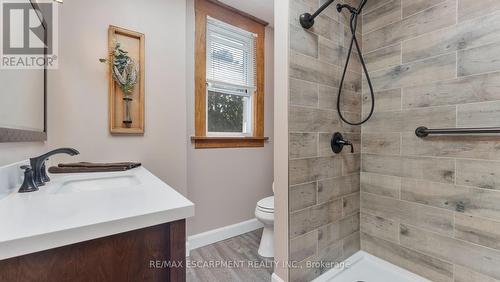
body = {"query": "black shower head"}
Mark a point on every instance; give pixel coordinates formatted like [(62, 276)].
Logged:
[(307, 20)]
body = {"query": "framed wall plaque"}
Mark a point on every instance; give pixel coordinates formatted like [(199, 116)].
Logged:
[(126, 112)]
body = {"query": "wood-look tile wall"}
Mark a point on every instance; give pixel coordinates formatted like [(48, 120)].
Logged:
[(432, 205), (324, 187)]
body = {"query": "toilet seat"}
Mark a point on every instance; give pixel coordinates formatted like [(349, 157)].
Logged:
[(266, 205)]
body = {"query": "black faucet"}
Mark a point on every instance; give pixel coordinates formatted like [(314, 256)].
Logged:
[(38, 164), (338, 142)]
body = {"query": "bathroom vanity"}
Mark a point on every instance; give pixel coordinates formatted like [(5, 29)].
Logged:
[(117, 226)]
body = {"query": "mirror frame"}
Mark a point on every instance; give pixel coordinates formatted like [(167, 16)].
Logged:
[(21, 135)]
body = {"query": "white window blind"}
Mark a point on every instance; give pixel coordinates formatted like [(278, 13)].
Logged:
[(230, 58), (231, 72)]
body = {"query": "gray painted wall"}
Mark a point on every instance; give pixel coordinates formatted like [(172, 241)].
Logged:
[(78, 99), (78, 90), (225, 184)]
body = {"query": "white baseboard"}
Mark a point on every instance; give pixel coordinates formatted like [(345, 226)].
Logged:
[(276, 278), (219, 234)]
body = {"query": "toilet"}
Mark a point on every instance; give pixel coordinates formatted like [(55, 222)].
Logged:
[(264, 212)]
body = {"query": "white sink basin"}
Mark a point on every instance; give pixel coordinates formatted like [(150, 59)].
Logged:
[(73, 208), (96, 184)]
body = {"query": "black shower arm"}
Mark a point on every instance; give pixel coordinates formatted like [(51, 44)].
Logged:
[(307, 20), (322, 8)]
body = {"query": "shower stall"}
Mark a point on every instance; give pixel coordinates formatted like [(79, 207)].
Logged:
[(414, 88)]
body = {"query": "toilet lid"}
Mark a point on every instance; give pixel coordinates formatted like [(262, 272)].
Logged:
[(266, 203)]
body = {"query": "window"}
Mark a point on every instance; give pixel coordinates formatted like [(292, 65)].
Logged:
[(229, 78), (230, 74)]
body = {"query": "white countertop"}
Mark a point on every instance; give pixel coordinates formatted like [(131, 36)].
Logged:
[(53, 217)]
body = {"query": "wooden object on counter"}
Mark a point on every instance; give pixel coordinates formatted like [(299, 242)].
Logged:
[(57, 169), (85, 167), (89, 164)]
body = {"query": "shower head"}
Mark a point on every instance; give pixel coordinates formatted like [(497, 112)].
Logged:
[(307, 20)]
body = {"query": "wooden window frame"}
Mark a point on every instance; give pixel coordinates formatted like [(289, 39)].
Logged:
[(229, 15)]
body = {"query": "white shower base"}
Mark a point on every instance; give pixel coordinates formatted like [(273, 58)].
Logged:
[(368, 268)]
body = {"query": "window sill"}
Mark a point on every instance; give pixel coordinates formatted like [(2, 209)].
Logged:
[(212, 142)]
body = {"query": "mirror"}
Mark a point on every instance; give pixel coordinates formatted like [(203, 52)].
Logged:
[(23, 91)]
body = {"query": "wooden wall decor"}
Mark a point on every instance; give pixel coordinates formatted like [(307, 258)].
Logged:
[(133, 43)]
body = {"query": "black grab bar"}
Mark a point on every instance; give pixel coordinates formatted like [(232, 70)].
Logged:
[(423, 131)]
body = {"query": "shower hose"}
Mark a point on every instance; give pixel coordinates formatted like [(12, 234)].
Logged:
[(354, 41)]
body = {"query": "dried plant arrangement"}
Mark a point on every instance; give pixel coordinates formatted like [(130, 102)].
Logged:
[(126, 75), (125, 70)]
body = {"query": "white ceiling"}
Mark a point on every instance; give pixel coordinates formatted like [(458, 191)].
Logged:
[(262, 9)]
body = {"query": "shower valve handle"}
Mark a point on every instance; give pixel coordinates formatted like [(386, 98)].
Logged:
[(338, 142)]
